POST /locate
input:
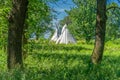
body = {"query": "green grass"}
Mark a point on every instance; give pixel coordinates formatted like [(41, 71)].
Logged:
[(65, 62)]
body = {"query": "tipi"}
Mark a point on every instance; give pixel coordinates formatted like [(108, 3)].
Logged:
[(65, 36), (55, 36)]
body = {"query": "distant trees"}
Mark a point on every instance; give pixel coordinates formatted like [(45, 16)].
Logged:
[(16, 21), (39, 17), (83, 19), (113, 22)]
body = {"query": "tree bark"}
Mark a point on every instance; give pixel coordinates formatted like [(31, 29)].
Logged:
[(16, 21), (100, 32)]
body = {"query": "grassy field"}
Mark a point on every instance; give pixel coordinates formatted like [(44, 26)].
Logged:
[(65, 62)]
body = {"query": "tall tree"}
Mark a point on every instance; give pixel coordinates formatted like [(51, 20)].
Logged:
[(82, 19), (16, 21), (100, 32)]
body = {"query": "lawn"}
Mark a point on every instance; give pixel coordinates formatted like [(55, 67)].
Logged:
[(65, 62)]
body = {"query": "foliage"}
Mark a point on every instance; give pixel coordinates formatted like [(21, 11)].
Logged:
[(48, 61), (82, 19), (39, 17), (113, 23), (4, 9)]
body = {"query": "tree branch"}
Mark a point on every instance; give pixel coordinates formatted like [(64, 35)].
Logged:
[(112, 7)]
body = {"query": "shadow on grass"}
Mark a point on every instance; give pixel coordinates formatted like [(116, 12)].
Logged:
[(76, 67), (66, 67), (59, 47)]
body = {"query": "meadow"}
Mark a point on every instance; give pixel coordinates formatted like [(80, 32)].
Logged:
[(48, 61)]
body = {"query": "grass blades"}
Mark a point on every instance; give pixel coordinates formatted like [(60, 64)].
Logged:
[(64, 62)]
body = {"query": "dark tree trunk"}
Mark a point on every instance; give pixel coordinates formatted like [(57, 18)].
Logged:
[(15, 29), (100, 32)]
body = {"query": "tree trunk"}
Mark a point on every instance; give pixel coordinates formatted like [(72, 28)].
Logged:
[(15, 29), (100, 32)]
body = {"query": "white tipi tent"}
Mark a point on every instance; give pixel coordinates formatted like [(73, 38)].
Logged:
[(55, 36), (65, 36)]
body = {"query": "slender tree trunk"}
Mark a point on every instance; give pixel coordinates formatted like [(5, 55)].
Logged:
[(100, 32), (15, 29)]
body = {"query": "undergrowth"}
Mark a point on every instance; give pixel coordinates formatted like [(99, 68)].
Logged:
[(48, 61)]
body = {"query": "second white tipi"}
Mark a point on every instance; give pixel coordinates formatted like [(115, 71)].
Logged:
[(65, 36)]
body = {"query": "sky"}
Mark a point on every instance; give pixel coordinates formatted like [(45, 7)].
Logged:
[(60, 7), (116, 1), (63, 5)]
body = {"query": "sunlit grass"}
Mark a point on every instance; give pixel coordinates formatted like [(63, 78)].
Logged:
[(65, 62)]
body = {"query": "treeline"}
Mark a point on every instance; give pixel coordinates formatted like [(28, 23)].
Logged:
[(82, 20)]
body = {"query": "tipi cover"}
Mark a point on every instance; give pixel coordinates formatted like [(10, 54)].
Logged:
[(65, 36), (55, 36)]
